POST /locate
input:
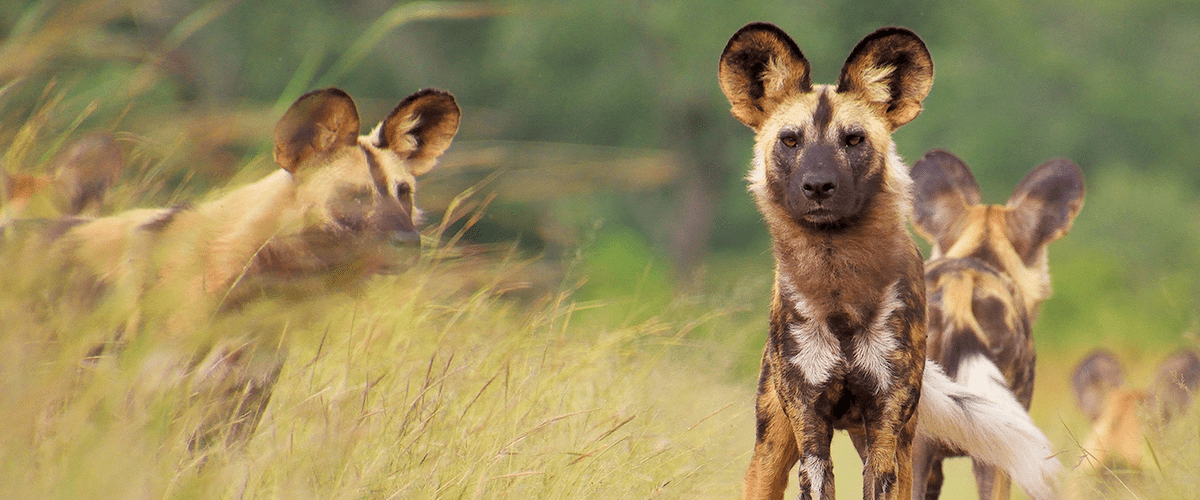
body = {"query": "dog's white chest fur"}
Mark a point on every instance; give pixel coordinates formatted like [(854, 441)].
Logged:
[(819, 353)]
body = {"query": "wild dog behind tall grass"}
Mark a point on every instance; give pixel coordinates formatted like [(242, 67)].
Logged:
[(846, 346), (1123, 417), (339, 208), (75, 182), (986, 280)]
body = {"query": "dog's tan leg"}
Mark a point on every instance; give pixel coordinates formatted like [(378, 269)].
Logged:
[(904, 472), (887, 472), (775, 450), (813, 435)]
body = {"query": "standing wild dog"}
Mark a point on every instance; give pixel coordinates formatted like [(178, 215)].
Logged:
[(339, 208), (986, 281), (1116, 411), (846, 346)]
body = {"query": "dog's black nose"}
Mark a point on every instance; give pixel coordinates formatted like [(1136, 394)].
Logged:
[(818, 187)]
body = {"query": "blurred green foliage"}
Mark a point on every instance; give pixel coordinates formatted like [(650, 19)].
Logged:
[(1109, 84)]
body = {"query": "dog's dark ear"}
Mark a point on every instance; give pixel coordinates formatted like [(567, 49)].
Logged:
[(1043, 207), (943, 191), (760, 67), (421, 128), (892, 70), (1097, 375), (1178, 376), (317, 123)]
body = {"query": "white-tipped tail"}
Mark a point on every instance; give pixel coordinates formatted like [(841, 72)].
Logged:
[(980, 416)]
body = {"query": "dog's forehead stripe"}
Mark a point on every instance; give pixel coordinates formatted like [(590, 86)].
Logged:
[(823, 115), (377, 173)]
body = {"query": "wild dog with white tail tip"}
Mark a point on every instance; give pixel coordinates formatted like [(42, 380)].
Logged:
[(339, 208), (846, 346), (986, 280)]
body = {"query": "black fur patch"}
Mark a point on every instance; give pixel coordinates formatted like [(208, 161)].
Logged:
[(961, 344), (755, 63), (992, 314), (377, 175), (823, 115)]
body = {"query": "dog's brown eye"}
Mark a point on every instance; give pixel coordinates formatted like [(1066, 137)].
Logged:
[(854, 139), (789, 140)]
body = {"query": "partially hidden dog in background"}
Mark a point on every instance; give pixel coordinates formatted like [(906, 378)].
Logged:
[(1122, 416), (75, 182), (846, 344), (340, 207), (985, 281)]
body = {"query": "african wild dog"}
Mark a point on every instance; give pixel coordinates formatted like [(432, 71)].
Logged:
[(846, 346), (77, 180), (1120, 414), (340, 207), (986, 280)]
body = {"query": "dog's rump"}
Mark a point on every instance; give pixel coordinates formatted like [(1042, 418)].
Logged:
[(979, 415)]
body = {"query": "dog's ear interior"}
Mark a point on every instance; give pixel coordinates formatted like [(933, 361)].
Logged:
[(760, 67), (421, 127), (1178, 376), (891, 69), (1095, 376), (318, 123), (943, 191), (1043, 207)]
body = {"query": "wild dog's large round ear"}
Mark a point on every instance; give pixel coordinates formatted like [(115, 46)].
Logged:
[(761, 66), (1043, 207), (421, 127), (943, 191), (317, 123), (1178, 376), (892, 69), (1095, 376)]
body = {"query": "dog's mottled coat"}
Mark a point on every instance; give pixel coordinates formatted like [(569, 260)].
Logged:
[(986, 281), (846, 344)]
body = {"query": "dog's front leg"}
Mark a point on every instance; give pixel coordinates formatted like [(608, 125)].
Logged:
[(814, 431), (887, 471), (775, 450)]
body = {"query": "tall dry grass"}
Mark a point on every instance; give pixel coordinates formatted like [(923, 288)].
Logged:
[(449, 380), (428, 384)]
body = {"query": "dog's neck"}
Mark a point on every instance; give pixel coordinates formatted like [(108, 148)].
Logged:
[(264, 209)]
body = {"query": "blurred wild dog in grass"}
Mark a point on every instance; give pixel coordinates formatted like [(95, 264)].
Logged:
[(1122, 417), (846, 345), (985, 281), (339, 208), (78, 178)]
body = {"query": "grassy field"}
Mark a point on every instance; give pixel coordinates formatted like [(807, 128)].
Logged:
[(481, 372), (429, 384), (450, 381)]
